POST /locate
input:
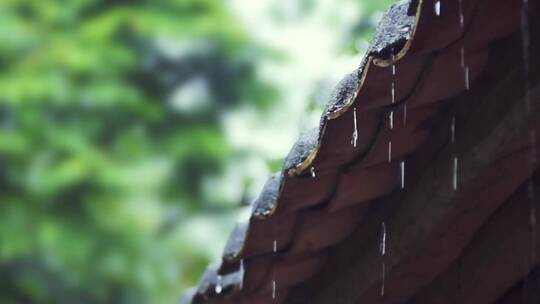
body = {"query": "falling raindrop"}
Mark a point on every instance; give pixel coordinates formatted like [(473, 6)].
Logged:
[(393, 92), (383, 239), (273, 289), (383, 279), (275, 246), (242, 274), (219, 287), (461, 17), (355, 132), (383, 253), (389, 151), (402, 169), (391, 119), (467, 83), (312, 172), (455, 178), (437, 8), (453, 130)]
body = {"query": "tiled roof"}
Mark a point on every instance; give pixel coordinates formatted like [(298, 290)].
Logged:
[(417, 187)]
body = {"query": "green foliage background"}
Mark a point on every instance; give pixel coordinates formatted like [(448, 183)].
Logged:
[(99, 169)]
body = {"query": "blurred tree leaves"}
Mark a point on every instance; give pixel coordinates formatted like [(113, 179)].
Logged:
[(108, 123)]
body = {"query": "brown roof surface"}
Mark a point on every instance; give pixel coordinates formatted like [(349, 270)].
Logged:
[(434, 200)]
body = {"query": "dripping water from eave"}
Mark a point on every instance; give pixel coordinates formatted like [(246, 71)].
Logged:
[(219, 287)]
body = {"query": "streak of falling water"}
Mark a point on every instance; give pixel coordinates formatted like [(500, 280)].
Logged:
[(275, 246), (393, 92), (355, 132), (383, 239), (437, 8), (402, 169), (461, 17), (467, 82), (453, 130), (383, 279), (393, 83), (389, 151), (313, 172), (273, 289), (455, 173), (241, 274), (391, 118)]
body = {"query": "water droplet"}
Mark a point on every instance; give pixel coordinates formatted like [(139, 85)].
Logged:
[(467, 83), (391, 119), (455, 175), (355, 131), (273, 289), (383, 239), (437, 8), (389, 151), (241, 274), (393, 92), (404, 28), (402, 169), (275, 246), (219, 288), (312, 172), (461, 17), (393, 68), (383, 279)]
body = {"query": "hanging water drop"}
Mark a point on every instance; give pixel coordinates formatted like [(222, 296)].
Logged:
[(404, 28), (455, 177), (219, 287), (312, 172), (391, 119), (355, 131), (275, 246), (437, 8), (273, 289), (402, 169)]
